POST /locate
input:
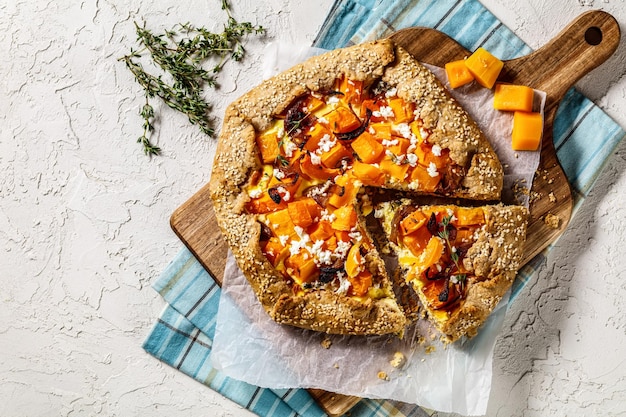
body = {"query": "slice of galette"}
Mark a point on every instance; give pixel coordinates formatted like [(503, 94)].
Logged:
[(459, 260)]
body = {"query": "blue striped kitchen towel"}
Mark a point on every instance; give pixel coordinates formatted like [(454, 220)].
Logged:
[(182, 336)]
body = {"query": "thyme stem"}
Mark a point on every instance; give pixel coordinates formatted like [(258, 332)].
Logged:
[(180, 54)]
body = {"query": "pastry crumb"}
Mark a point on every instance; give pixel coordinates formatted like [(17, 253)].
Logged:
[(552, 197), (383, 375), (398, 360), (552, 220), (326, 343)]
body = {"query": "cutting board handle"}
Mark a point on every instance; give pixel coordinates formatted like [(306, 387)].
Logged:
[(582, 46)]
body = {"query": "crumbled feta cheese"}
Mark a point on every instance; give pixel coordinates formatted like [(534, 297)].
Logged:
[(325, 144), (323, 120), (315, 159), (290, 148), (295, 247), (392, 92), (283, 239), (344, 284), (404, 129), (324, 257), (278, 174), (424, 133), (412, 159), (332, 100), (432, 170), (436, 150), (286, 196), (298, 245), (319, 191), (385, 111), (342, 249), (392, 142), (255, 193), (329, 217), (317, 247)]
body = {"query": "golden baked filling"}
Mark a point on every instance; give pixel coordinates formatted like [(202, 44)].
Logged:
[(316, 157)]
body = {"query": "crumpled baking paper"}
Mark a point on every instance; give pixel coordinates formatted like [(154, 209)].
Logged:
[(249, 346)]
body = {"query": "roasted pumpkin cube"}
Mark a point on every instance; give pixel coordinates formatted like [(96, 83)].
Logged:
[(360, 284), (368, 174), (345, 218), (402, 110), (412, 222), (268, 146), (342, 120), (367, 148)]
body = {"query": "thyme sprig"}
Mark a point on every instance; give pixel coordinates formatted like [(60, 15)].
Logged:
[(448, 233), (181, 53), (147, 113)]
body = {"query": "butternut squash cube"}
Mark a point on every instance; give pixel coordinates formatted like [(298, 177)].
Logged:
[(354, 261), (484, 67), (458, 73), (510, 97), (368, 149), (527, 131)]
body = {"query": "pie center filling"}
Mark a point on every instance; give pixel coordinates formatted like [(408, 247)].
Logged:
[(318, 156)]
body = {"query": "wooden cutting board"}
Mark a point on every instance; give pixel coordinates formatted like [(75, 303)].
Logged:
[(555, 68)]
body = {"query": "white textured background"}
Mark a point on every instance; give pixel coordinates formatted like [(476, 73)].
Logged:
[(84, 220)]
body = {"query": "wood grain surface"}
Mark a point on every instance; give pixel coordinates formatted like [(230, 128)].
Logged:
[(583, 45)]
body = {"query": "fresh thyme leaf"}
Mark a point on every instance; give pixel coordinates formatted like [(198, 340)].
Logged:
[(447, 233), (282, 160), (147, 113), (180, 54)]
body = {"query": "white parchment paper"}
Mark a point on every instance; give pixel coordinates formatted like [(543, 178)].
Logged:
[(249, 346)]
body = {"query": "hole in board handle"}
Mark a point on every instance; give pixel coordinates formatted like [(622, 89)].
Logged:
[(593, 35)]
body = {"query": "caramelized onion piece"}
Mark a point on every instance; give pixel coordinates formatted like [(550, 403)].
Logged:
[(432, 225), (266, 233), (298, 121), (327, 274), (397, 219), (442, 294), (289, 175), (274, 195)]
